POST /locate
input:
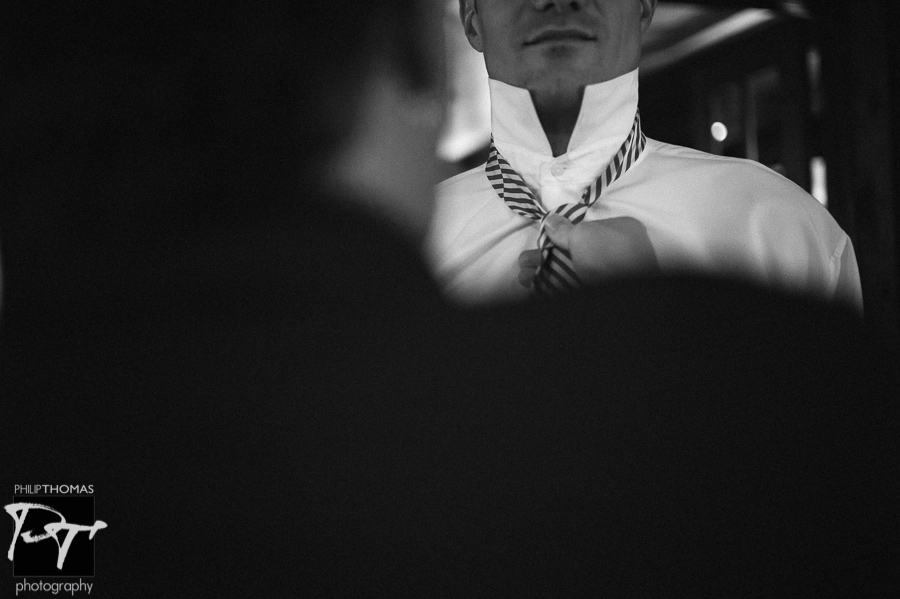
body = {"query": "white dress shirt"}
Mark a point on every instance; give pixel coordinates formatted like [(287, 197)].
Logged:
[(703, 213)]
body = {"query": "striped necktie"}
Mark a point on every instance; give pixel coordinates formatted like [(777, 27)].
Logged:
[(556, 274)]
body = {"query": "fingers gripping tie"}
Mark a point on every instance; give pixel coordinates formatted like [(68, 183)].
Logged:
[(555, 274)]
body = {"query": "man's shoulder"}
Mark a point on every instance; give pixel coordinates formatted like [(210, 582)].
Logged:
[(739, 177), (745, 186), (461, 197), (464, 184), (690, 157)]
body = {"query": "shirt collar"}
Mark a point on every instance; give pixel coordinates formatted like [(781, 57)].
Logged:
[(606, 117)]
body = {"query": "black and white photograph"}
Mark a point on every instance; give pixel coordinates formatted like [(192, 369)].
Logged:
[(450, 298)]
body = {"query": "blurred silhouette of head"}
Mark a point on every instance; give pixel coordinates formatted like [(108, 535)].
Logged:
[(127, 129)]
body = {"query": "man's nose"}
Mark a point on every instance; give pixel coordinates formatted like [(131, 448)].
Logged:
[(558, 5)]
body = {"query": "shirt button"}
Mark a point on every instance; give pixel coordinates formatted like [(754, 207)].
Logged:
[(557, 170)]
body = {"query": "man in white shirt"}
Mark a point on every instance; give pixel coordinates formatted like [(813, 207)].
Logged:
[(566, 132)]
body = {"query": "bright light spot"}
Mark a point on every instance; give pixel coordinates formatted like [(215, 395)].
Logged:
[(719, 131), (819, 179), (795, 8)]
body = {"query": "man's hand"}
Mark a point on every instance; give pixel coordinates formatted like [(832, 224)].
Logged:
[(599, 249)]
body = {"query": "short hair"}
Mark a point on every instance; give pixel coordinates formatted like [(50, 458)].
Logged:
[(170, 115)]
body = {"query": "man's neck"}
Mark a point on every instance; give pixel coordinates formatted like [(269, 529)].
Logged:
[(558, 114)]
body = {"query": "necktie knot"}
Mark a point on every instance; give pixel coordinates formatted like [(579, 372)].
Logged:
[(556, 272)]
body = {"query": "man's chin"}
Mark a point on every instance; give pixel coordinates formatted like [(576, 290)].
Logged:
[(558, 92), (563, 81)]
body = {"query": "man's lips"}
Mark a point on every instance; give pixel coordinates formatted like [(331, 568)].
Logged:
[(552, 35)]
